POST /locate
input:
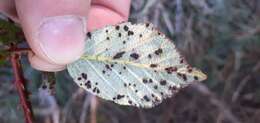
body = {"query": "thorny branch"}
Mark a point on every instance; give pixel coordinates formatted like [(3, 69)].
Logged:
[(19, 50), (21, 86)]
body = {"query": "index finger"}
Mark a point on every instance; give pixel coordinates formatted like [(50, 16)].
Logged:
[(107, 12)]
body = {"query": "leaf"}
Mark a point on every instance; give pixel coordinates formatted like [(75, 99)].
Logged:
[(132, 64), (3, 57), (10, 33)]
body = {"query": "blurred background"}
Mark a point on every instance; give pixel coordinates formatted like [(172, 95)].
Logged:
[(221, 37)]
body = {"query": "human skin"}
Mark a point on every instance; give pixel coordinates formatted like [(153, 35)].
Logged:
[(55, 29)]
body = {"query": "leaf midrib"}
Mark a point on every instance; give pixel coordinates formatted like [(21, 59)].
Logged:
[(109, 60), (145, 66)]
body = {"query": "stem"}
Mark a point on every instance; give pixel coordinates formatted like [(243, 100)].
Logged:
[(19, 50), (21, 88)]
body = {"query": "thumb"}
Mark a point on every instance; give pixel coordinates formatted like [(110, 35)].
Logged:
[(54, 29)]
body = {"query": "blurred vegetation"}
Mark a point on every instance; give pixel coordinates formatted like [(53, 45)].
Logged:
[(222, 37), (9, 33)]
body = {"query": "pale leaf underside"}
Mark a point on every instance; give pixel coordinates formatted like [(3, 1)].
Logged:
[(132, 64)]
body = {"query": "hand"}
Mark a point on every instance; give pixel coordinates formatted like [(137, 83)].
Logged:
[(55, 29)]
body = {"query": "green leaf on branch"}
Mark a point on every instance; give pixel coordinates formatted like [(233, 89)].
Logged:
[(9, 33)]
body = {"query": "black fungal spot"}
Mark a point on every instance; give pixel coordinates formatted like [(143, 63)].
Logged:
[(103, 71), (145, 80), (98, 91), (196, 78), (163, 82), (130, 33), (89, 34), (156, 99), (120, 73), (140, 35), (108, 67), (114, 98), (106, 31), (184, 77), (159, 33), (129, 84), (79, 78), (190, 70), (172, 89), (124, 68), (179, 74), (95, 89), (182, 60), (119, 34), (153, 95), (170, 69), (96, 83), (117, 27), (150, 81), (129, 101), (120, 96), (124, 42), (80, 84), (155, 87), (147, 24), (149, 56), (112, 65), (84, 76), (136, 91), (45, 86), (108, 38), (125, 84), (146, 98), (158, 51), (134, 85), (162, 93), (134, 56), (153, 65), (88, 84), (119, 55), (126, 28)]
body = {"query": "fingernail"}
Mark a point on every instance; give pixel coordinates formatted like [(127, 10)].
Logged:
[(62, 38)]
